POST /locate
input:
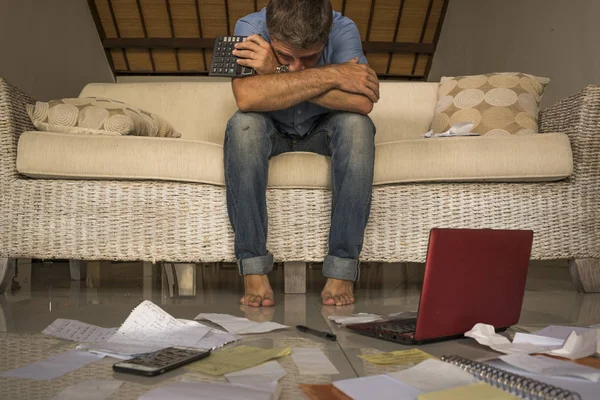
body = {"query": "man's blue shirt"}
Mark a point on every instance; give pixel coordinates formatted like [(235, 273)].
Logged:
[(343, 44)]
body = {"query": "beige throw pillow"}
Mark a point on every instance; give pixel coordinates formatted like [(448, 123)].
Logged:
[(498, 104), (94, 115)]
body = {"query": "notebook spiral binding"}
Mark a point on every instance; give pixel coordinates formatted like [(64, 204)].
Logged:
[(517, 385)]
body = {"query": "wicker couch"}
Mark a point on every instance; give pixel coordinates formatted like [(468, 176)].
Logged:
[(170, 205)]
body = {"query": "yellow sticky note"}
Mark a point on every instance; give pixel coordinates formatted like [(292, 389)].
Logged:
[(476, 391), (400, 357), (222, 362)]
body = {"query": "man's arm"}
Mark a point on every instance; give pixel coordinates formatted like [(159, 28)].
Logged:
[(277, 91), (336, 99), (268, 91)]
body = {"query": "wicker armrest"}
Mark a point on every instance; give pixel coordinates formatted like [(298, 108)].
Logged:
[(13, 121), (578, 116)]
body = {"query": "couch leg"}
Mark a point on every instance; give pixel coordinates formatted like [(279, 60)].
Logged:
[(585, 273), (78, 269), (294, 277), (7, 272)]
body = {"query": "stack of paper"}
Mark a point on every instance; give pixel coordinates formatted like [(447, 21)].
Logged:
[(433, 375), (148, 328), (311, 361), (380, 387), (238, 325), (548, 366), (476, 391), (55, 366)]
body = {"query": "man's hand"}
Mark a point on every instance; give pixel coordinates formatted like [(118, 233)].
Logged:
[(257, 53), (356, 78)]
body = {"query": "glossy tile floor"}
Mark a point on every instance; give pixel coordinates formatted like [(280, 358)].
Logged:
[(45, 292)]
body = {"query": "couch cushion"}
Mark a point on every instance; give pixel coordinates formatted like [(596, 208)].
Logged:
[(200, 110), (539, 157), (498, 104)]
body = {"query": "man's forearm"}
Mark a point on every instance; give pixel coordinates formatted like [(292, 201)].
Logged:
[(278, 91), (336, 99)]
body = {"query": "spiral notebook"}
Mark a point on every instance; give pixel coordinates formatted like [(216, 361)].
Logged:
[(521, 386)]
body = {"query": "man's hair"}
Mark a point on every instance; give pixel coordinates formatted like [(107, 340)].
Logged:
[(300, 23)]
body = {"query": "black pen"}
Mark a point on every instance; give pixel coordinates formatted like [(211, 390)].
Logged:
[(324, 335)]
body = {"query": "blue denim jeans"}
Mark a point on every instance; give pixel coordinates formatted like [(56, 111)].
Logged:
[(252, 138)]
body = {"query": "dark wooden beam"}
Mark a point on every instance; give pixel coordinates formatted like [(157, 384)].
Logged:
[(207, 43), (400, 9), (423, 30), (101, 34), (145, 31), (172, 27), (370, 23), (114, 19), (436, 37), (197, 2)]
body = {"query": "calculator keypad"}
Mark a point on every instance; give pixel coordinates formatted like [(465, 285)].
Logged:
[(223, 62)]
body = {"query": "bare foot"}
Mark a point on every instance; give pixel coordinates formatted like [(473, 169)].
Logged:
[(258, 291), (337, 293)]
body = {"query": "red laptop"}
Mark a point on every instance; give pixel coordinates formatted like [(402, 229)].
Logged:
[(471, 276)]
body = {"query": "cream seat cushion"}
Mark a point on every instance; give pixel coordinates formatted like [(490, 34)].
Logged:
[(528, 158)]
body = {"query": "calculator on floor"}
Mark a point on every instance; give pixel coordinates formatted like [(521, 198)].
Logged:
[(160, 361), (224, 63)]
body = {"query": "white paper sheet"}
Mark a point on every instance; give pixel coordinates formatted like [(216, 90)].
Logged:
[(239, 325), (560, 332), (311, 361), (354, 318), (487, 336), (268, 372), (380, 387), (77, 331), (460, 129), (53, 367), (587, 390), (549, 366), (578, 346), (433, 375), (206, 391), (537, 340), (93, 389), (149, 328)]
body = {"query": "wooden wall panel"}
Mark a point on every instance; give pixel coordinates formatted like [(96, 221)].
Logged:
[(434, 19), (106, 18), (337, 5), (239, 9), (358, 11), (377, 21), (212, 15)]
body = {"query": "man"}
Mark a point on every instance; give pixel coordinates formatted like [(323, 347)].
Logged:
[(312, 92)]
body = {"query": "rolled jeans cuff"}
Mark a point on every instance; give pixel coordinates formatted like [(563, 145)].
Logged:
[(256, 265), (347, 269)]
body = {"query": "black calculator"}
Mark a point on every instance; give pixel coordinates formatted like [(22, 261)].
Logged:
[(223, 62)]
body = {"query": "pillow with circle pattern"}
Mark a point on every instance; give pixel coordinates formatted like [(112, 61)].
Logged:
[(94, 115), (499, 104)]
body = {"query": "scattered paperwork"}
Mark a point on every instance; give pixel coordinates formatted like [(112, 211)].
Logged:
[(399, 357), (149, 328), (265, 373), (77, 331), (433, 375), (460, 129), (53, 367), (360, 318), (560, 331), (550, 366), (312, 361), (207, 391), (576, 346), (476, 391), (239, 325), (235, 359), (93, 389), (380, 387)]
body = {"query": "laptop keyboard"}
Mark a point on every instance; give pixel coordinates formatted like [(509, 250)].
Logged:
[(399, 327)]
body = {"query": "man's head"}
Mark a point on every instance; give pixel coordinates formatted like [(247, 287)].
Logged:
[(299, 30)]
